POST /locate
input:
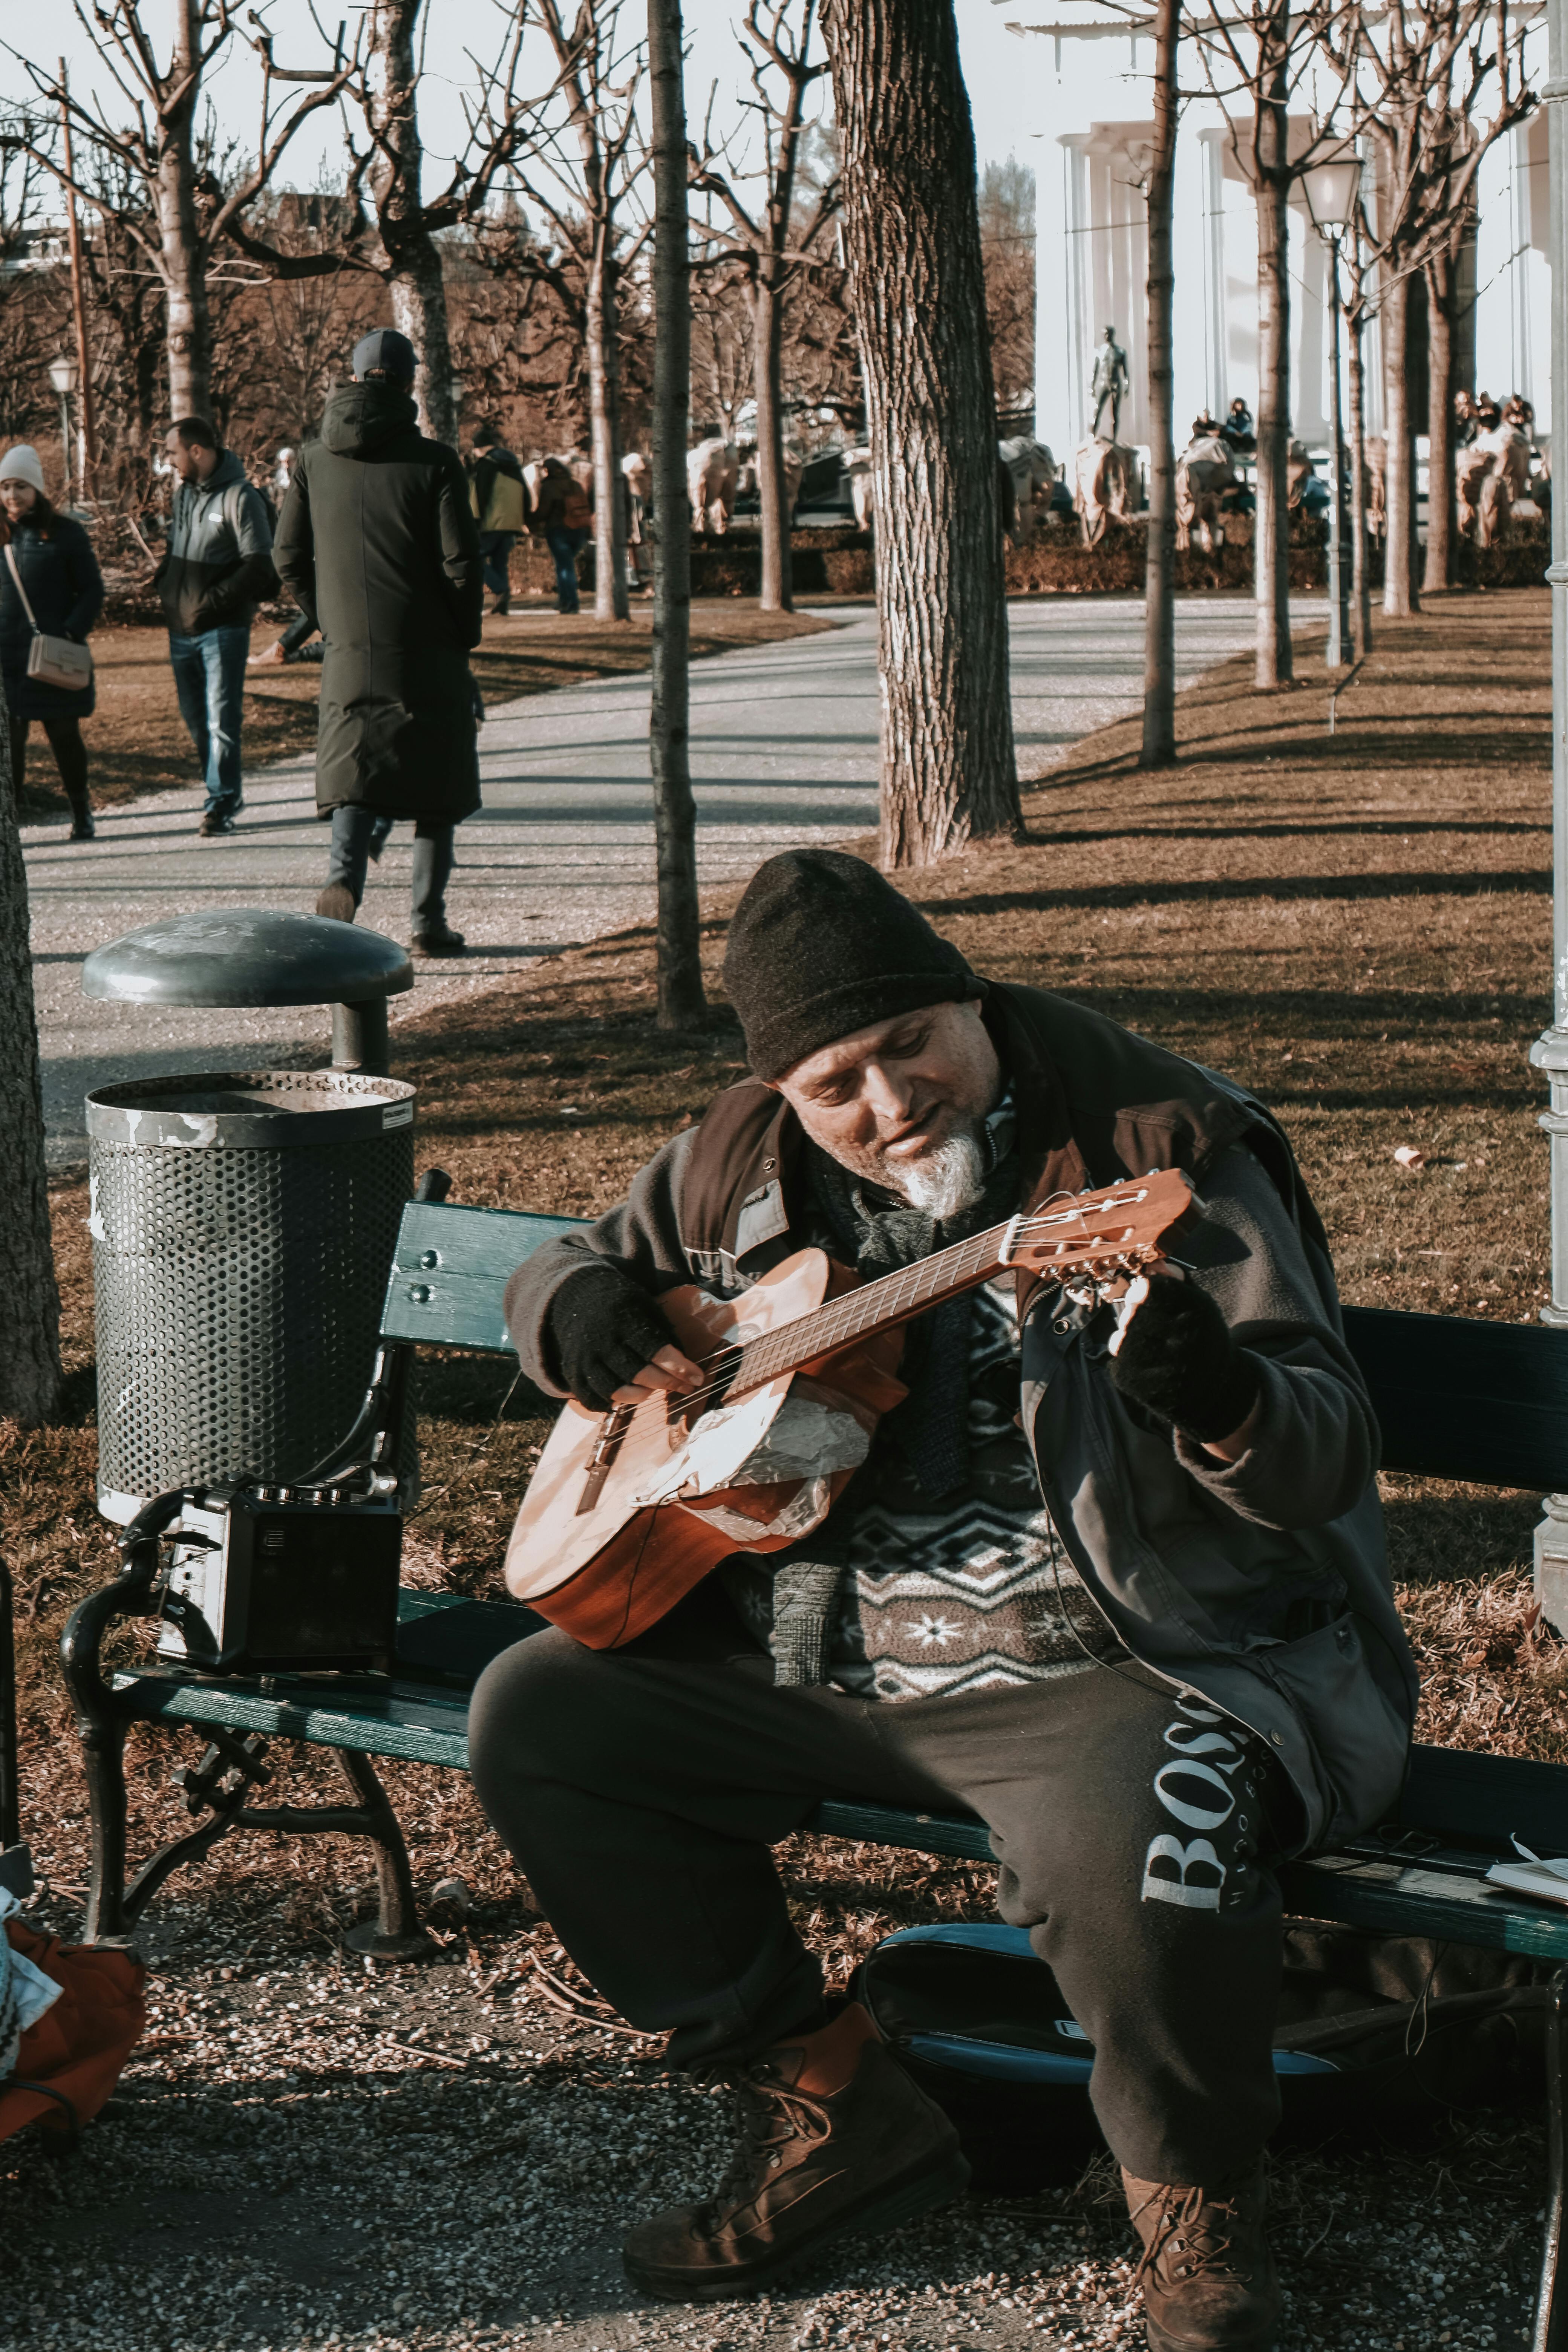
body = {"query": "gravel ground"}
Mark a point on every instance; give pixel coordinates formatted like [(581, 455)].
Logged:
[(310, 2151)]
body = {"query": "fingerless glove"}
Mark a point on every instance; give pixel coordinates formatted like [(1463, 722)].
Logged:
[(603, 1328), (1177, 1359)]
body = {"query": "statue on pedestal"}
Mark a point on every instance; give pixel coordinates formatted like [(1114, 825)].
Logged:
[(1109, 381)]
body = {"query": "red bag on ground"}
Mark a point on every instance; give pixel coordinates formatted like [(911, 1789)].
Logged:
[(79, 2046)]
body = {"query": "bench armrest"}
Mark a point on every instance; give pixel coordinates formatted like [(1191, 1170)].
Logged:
[(132, 1593)]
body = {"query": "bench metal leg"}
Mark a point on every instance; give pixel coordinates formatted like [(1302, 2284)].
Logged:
[(394, 1934), (101, 1731), (219, 1786), (1551, 2303)]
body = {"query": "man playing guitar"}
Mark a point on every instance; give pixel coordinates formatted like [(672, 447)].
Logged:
[(1111, 1575)]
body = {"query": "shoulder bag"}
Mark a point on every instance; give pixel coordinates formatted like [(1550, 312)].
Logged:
[(54, 661)]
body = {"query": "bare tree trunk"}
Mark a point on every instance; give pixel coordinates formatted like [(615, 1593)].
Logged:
[(1440, 516), (681, 996), (1272, 558), (602, 341), (767, 339), (917, 290), (1399, 592), (1360, 580), (1159, 586), (30, 1299), (413, 272), (190, 335)]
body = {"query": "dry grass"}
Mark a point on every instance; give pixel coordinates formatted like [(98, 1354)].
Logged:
[(1358, 926), (137, 742)]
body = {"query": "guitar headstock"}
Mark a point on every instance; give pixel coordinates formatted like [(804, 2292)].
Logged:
[(1117, 1231)]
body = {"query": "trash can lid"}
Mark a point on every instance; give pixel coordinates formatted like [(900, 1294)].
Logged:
[(241, 955), (247, 1110)]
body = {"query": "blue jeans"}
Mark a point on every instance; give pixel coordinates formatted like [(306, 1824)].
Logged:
[(209, 679), (358, 833), (495, 560), (566, 546)]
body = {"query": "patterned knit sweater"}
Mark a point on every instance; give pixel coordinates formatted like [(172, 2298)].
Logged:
[(939, 1571), (969, 1588)]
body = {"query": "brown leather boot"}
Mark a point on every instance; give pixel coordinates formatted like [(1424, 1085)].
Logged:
[(1207, 2275), (835, 2138)]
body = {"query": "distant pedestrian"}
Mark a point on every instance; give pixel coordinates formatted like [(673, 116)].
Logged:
[(50, 585), (501, 503), (217, 569), (377, 543), (562, 515), (638, 493)]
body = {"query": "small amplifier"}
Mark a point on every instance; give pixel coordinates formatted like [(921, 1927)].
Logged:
[(266, 1579)]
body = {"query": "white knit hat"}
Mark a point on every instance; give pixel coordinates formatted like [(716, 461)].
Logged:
[(21, 464)]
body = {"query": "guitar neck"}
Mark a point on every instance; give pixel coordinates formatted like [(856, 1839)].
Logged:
[(876, 1307)]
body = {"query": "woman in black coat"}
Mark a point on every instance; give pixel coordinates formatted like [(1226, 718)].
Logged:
[(54, 557)]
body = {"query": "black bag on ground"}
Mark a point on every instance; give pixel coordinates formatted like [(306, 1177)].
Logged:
[(1373, 2029)]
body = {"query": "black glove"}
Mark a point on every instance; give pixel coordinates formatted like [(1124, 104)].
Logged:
[(603, 1328), (1178, 1359)]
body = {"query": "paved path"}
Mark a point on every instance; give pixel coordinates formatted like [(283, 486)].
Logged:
[(783, 751)]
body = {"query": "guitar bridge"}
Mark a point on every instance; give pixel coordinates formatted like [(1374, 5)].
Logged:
[(607, 1446)]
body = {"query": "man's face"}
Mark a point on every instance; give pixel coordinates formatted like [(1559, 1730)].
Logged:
[(894, 1096), (192, 463)]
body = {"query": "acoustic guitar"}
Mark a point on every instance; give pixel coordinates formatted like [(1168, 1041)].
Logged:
[(629, 1509)]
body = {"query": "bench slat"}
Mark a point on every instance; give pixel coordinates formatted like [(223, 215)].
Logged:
[(449, 1271), (1415, 1900), (420, 1723), (1462, 1399)]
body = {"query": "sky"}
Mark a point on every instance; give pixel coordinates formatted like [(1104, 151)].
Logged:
[(996, 67)]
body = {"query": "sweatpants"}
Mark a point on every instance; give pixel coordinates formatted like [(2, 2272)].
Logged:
[(640, 1789)]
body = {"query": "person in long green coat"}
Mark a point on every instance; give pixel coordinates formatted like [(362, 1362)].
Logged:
[(377, 543)]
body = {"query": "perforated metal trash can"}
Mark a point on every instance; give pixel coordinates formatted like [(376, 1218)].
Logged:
[(243, 1228)]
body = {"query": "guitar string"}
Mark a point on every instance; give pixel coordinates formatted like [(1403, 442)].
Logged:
[(852, 1311), (871, 1307)]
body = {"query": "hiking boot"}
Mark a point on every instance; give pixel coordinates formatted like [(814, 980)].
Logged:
[(337, 902), (214, 823), (1207, 2275), (82, 825), (835, 2138), (440, 939)]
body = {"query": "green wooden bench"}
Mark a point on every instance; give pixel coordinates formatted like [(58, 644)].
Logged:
[(1484, 1402)]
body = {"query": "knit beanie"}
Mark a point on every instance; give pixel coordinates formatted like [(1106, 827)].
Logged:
[(821, 945), (21, 464)]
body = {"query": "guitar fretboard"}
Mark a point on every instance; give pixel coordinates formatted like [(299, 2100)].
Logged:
[(876, 1306)]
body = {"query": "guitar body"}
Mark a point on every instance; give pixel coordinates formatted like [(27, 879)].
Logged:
[(668, 1506)]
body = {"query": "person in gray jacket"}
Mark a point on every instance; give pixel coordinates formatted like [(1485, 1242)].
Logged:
[(1112, 1576), (216, 569)]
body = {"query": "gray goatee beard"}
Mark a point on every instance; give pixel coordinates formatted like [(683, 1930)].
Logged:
[(950, 1177)]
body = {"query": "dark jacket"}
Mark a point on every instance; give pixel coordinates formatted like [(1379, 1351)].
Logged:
[(1262, 1583), (64, 589), (378, 544), (218, 564)]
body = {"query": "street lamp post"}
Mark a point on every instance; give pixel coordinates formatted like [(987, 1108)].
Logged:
[(1550, 1051), (63, 376), (1331, 190)]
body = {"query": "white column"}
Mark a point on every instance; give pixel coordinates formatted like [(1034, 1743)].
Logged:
[(1188, 239), (1053, 301), (1212, 167)]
